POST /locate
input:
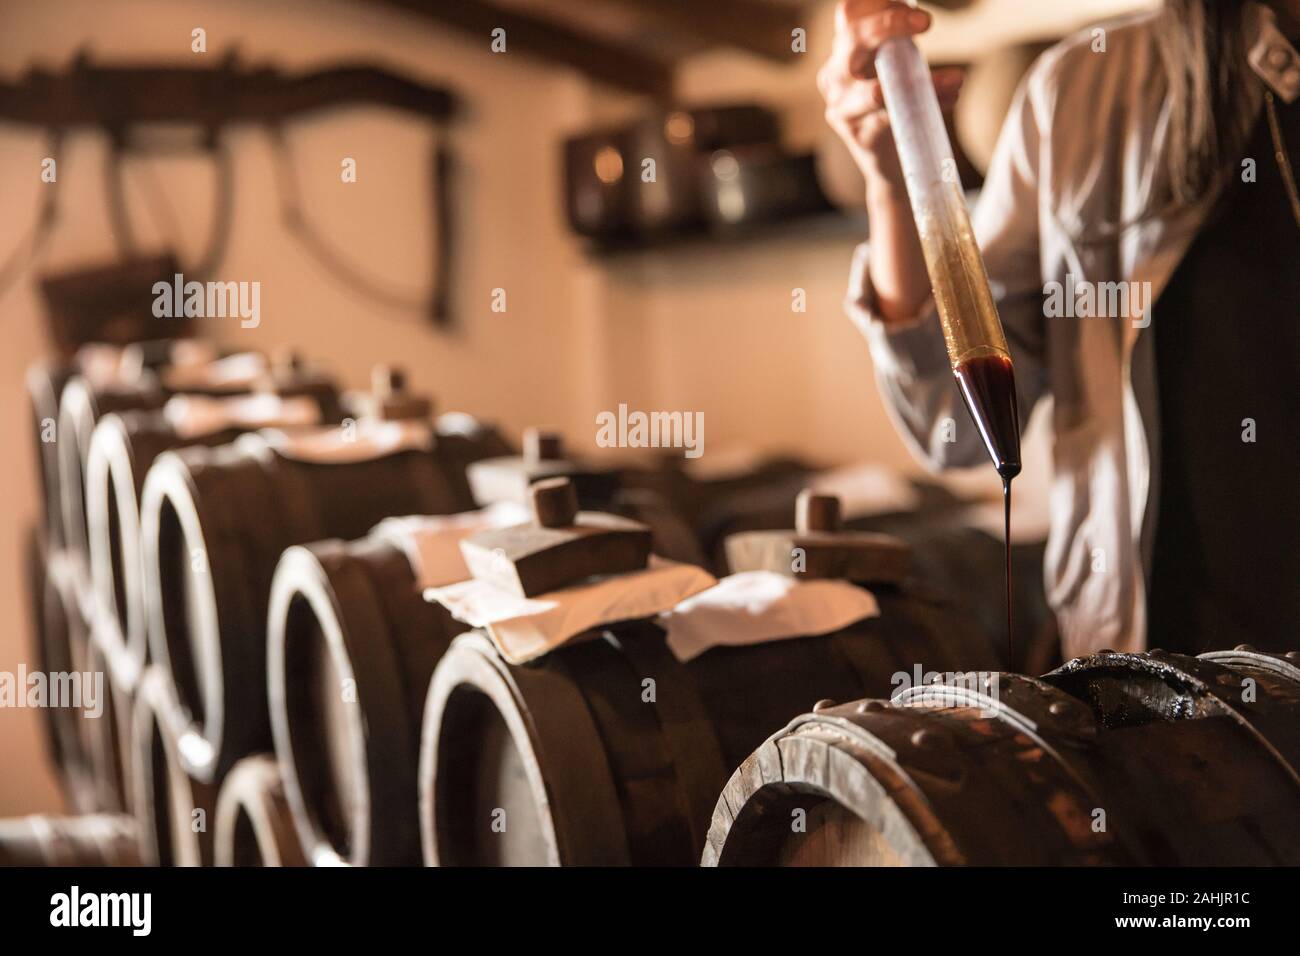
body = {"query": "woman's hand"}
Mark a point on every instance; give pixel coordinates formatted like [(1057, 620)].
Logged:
[(855, 106), (855, 109)]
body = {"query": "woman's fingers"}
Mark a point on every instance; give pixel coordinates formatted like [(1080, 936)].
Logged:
[(861, 26), (856, 101)]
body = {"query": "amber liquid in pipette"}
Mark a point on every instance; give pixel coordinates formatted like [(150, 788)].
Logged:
[(989, 387)]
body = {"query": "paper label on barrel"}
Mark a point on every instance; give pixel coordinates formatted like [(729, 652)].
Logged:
[(195, 415), (524, 629), (362, 440), (755, 607), (432, 542)]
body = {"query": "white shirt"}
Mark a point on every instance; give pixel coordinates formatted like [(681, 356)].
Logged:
[(1082, 145)]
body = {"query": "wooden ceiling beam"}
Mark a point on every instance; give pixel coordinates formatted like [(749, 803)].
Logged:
[(533, 36)]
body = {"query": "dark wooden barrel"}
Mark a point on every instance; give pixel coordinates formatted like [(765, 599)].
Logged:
[(746, 496), (352, 645), (173, 811), (122, 449), (64, 639), (1127, 759), (214, 522), (80, 408), (253, 824), (568, 760), (87, 840), (142, 377)]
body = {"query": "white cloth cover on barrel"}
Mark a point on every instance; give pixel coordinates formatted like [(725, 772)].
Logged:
[(365, 439), (240, 370), (432, 542), (754, 607), (195, 415), (524, 629)]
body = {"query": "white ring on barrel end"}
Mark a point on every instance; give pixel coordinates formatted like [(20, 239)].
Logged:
[(169, 483), (76, 411), (110, 480), (471, 662), (299, 575), (254, 787), (153, 704)]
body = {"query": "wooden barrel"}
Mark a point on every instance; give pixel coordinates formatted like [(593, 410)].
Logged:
[(80, 408), (748, 494), (64, 639), (254, 827), (214, 522), (352, 645), (138, 377), (173, 811), (576, 758), (87, 840), (122, 449), (1146, 759)]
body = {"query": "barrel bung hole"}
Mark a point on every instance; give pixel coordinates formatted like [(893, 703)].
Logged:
[(1122, 698), (183, 591), (321, 708), (784, 825), (487, 810)]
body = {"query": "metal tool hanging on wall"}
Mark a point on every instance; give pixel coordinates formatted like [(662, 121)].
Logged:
[(124, 100)]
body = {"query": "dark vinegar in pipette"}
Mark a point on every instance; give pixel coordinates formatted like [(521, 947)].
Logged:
[(989, 387)]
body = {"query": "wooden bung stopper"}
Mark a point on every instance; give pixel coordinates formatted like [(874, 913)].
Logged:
[(814, 512), (542, 444), (387, 381), (390, 398), (555, 502)]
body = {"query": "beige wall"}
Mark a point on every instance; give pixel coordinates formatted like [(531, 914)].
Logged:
[(519, 367), (693, 328)]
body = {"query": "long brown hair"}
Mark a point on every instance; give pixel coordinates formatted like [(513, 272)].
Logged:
[(1202, 44)]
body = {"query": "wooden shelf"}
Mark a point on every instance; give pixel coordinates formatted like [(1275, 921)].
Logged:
[(834, 225)]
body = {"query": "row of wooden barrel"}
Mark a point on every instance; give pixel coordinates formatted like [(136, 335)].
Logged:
[(267, 617), (1118, 759)]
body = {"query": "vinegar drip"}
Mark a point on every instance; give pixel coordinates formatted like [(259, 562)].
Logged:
[(989, 387), (1006, 504)]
